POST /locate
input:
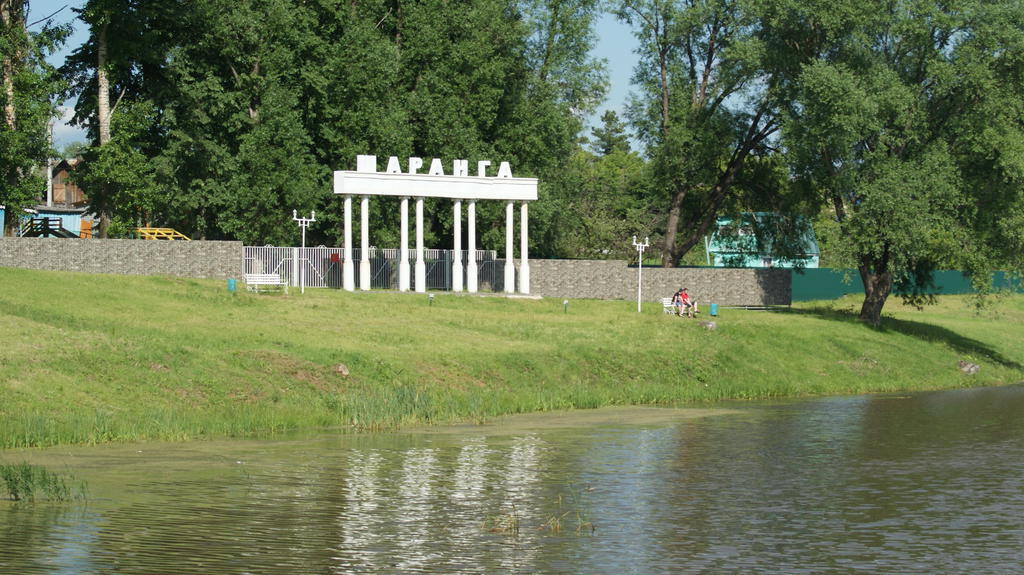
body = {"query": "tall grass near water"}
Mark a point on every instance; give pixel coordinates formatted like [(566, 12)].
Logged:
[(27, 482), (94, 358)]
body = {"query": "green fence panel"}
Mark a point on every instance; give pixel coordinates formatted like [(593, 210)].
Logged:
[(824, 284), (829, 283)]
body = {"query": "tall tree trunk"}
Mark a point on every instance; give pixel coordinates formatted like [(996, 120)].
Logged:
[(12, 22), (12, 17), (699, 224), (668, 248), (877, 286), (103, 116), (103, 83)]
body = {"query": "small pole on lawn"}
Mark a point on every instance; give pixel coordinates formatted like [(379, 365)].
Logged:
[(640, 270), (303, 223)]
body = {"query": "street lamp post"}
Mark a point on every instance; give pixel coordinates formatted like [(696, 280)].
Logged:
[(640, 270), (303, 223)]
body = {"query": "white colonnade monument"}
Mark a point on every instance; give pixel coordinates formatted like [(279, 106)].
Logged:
[(456, 185)]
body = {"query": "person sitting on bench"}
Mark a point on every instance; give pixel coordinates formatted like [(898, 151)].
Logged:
[(682, 302), (685, 304)]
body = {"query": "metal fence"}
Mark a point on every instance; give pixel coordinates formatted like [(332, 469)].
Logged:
[(322, 266), (827, 283)]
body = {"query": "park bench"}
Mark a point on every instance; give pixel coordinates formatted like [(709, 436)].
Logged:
[(667, 306), (254, 281)]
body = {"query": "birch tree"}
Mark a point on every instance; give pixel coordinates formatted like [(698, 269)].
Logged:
[(28, 86), (105, 75)]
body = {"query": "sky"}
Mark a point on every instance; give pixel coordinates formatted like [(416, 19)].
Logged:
[(616, 45)]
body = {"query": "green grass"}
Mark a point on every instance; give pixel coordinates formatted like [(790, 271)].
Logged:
[(94, 358), (26, 482)]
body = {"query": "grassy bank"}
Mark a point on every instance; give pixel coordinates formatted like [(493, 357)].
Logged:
[(89, 358)]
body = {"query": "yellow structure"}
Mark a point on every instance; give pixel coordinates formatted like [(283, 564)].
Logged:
[(160, 234)]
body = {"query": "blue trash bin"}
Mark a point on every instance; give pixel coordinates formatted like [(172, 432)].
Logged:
[(231, 285), (714, 310)]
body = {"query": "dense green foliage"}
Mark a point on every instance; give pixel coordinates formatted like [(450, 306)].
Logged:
[(901, 125), (901, 120), (895, 126), (255, 103), (177, 358), (26, 85)]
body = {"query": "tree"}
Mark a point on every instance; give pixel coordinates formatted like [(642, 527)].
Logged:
[(238, 156), (557, 84), (713, 76), (902, 125), (597, 203), (28, 86), (253, 104), (611, 136), (987, 137), (118, 176), (120, 54)]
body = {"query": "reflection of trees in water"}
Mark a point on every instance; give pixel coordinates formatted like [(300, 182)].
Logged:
[(414, 511), (35, 538), (425, 509), (359, 520), (621, 476), (932, 480)]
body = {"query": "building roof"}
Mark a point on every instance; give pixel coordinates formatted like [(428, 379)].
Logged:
[(765, 233), (43, 208)]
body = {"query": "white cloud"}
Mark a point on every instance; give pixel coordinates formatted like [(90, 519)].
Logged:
[(63, 132)]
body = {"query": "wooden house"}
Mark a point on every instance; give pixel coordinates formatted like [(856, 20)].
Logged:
[(763, 240), (65, 192)]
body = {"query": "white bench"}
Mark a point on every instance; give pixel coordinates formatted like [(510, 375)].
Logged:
[(254, 281), (667, 306)]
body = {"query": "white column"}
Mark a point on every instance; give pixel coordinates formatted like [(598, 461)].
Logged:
[(510, 266), (421, 264), (297, 264), (471, 284), (524, 259), (403, 249), (348, 271), (364, 233), (49, 175), (457, 251)]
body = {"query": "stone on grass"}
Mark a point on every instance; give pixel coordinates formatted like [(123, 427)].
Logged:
[(968, 367)]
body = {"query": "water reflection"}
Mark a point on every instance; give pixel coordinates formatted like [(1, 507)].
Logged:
[(924, 483)]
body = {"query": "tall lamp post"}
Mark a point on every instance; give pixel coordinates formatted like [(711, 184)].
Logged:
[(303, 223), (640, 270)]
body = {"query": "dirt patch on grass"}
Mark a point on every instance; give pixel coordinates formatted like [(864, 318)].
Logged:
[(275, 363), (247, 395), (191, 395)]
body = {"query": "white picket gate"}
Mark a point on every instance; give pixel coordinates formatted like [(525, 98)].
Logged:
[(322, 266)]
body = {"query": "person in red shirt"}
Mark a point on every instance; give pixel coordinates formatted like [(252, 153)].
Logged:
[(686, 304)]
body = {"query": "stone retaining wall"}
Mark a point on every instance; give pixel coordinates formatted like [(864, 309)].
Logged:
[(591, 279), (615, 279), (213, 260)]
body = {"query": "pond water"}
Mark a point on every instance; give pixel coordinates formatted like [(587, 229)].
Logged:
[(922, 483)]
